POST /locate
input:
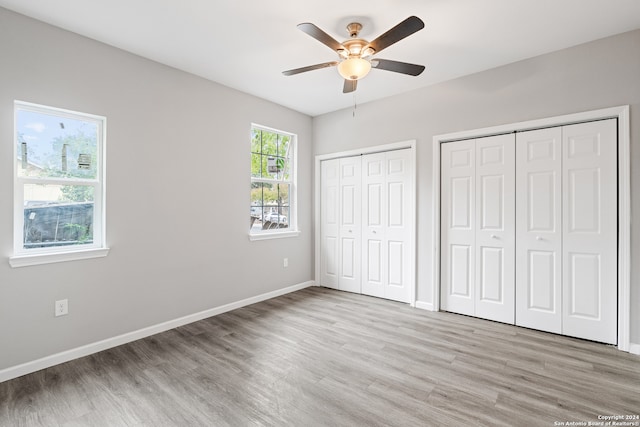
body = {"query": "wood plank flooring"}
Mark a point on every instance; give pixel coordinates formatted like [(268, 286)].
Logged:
[(319, 357)]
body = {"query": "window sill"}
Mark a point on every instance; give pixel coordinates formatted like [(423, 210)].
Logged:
[(27, 260), (278, 235)]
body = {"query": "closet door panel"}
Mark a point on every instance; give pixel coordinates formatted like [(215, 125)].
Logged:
[(329, 229), (374, 251), (457, 227), (350, 224), (539, 229), (590, 231), (542, 287), (398, 230), (495, 230)]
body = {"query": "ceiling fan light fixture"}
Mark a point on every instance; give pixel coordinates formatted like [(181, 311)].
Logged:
[(354, 68), (367, 52)]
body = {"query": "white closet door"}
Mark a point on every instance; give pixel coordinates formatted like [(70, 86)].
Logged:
[(350, 223), (495, 228), (386, 215), (329, 229), (398, 229), (539, 229), (457, 227), (589, 231), (374, 200)]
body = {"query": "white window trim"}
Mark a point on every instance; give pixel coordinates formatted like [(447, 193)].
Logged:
[(292, 230), (273, 235), (37, 256), (27, 260)]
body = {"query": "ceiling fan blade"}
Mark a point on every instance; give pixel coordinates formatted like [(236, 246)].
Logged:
[(321, 36), (397, 67), (397, 33), (310, 68), (349, 86)]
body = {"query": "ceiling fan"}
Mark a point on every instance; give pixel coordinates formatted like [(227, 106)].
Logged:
[(356, 54)]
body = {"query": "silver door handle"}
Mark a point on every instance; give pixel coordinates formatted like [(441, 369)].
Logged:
[(539, 238), (374, 231), (493, 236), (350, 231)]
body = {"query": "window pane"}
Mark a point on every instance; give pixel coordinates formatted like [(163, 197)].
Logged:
[(283, 171), (263, 166), (256, 165), (256, 194), (52, 146), (269, 206), (256, 142), (57, 215), (283, 195), (275, 167), (283, 145), (269, 143)]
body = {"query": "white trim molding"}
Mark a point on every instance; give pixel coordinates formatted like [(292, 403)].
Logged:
[(86, 350), (621, 113), (27, 260), (424, 305)]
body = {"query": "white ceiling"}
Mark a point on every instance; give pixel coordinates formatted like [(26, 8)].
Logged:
[(246, 44)]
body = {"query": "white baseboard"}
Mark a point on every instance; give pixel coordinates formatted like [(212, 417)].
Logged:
[(425, 305), (634, 348), (85, 350)]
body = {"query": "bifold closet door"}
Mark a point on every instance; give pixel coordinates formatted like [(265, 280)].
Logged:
[(539, 229), (495, 228), (457, 234), (589, 240), (350, 224), (566, 256), (386, 206), (340, 234), (477, 227), (329, 228)]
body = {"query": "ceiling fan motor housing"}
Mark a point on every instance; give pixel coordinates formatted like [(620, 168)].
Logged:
[(354, 29)]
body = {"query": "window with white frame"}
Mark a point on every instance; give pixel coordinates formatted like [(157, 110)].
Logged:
[(273, 185), (59, 182)]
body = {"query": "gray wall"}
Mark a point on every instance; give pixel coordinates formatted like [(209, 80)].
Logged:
[(601, 74), (177, 194), (177, 147)]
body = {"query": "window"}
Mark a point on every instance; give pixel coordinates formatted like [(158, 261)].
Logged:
[(59, 185), (273, 186)]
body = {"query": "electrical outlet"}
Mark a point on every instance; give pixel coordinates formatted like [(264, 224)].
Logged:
[(62, 307), (285, 262)]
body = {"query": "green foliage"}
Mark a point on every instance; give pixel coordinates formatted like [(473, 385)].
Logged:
[(76, 193), (81, 232), (266, 144)]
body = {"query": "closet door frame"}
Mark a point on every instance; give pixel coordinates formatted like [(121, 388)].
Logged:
[(621, 113), (409, 144)]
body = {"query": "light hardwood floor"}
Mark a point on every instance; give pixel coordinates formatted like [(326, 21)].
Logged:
[(319, 357)]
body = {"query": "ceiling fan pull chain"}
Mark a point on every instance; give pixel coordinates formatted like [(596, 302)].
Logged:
[(355, 105)]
